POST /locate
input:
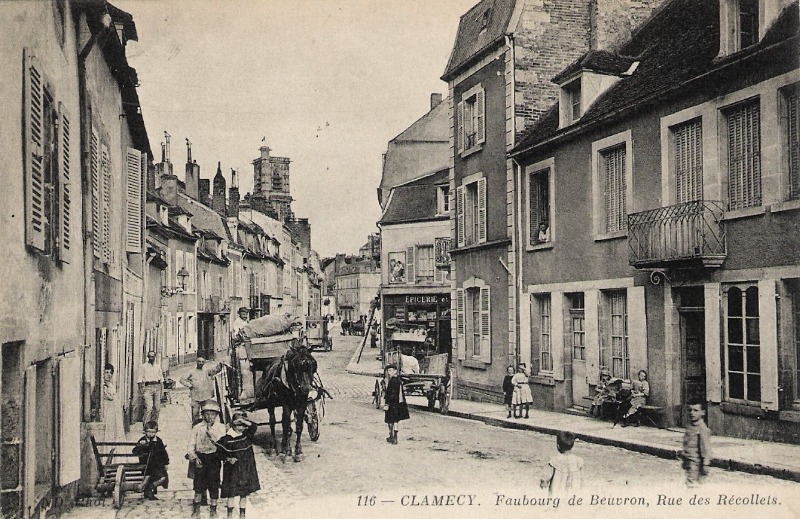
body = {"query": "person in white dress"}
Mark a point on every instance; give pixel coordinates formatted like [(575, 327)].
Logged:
[(112, 408)]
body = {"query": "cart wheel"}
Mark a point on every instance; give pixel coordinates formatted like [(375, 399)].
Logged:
[(119, 493), (444, 399), (377, 395), (312, 419)]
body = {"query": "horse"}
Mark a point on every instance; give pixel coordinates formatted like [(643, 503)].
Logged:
[(286, 383)]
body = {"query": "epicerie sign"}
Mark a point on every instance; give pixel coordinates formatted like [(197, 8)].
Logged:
[(421, 300)]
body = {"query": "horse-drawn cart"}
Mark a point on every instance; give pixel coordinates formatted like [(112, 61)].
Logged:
[(318, 334), (422, 370)]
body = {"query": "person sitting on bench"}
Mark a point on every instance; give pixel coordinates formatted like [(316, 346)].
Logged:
[(640, 390), (606, 391)]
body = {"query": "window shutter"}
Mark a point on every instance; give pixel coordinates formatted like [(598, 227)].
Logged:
[(480, 118), (557, 345), (133, 202), (29, 465), (460, 216), (486, 325), (34, 154), (105, 174), (94, 165), (689, 162), (410, 272), (533, 190), (744, 157), (637, 331), (713, 355), (591, 303), (482, 210), (64, 194), (69, 425), (614, 165), (459, 133), (768, 318), (793, 152), (460, 322)]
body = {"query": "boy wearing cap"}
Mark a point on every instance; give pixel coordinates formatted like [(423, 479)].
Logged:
[(239, 473), (153, 454), (202, 451)]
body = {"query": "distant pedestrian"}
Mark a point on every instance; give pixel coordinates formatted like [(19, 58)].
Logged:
[(239, 473), (151, 382), (396, 407), (345, 326), (696, 453), (508, 389), (201, 385), (153, 455), (202, 451), (522, 392), (564, 471)]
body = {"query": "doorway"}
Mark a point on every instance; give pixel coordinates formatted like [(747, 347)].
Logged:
[(580, 386), (691, 313)]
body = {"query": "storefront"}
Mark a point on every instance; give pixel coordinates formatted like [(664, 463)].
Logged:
[(431, 311)]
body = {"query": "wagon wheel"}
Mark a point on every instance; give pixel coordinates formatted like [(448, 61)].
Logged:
[(312, 419), (444, 397), (377, 395), (119, 493)]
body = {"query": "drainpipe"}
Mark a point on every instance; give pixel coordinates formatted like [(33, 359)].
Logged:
[(516, 239)]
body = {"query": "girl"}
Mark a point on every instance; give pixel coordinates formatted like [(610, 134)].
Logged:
[(508, 389), (239, 474), (396, 406), (640, 390), (603, 393), (112, 412), (522, 392)]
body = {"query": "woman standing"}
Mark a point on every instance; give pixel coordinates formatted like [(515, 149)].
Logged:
[(396, 406), (112, 411)]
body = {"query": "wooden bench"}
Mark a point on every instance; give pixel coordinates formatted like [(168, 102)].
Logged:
[(652, 413), (117, 472)]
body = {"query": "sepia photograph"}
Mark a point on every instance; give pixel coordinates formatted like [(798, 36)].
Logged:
[(403, 259)]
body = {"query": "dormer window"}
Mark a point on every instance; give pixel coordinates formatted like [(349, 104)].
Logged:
[(740, 24), (483, 20), (163, 214), (573, 91), (748, 23), (442, 199)]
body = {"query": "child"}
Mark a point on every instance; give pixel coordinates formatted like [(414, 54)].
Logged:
[(640, 390), (696, 453), (396, 406), (239, 474), (202, 451), (603, 393), (522, 392), (153, 454), (508, 388), (564, 470)]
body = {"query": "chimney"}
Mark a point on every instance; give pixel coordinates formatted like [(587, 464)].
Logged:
[(166, 148), (436, 99), (188, 150), (163, 152), (192, 176), (218, 193), (203, 191), (233, 196), (169, 189)]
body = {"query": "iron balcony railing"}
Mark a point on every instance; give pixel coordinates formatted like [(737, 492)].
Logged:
[(690, 233)]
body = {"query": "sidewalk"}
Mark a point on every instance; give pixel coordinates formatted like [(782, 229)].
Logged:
[(753, 456)]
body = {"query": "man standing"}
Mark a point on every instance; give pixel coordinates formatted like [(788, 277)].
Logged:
[(201, 386), (241, 320), (151, 380)]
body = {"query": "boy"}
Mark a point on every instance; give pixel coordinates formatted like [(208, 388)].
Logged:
[(565, 469), (202, 451), (696, 453), (396, 407), (153, 454)]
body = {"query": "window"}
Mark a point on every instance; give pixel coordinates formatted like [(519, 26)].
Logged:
[(577, 326), (135, 163), (688, 161), (573, 91), (483, 20), (744, 155), (742, 344), (474, 312), (473, 325), (740, 24), (794, 290), (544, 331), (424, 264), (612, 185), (471, 212), (47, 160), (471, 119), (748, 23), (790, 113), (442, 199), (539, 206), (613, 164), (618, 334)]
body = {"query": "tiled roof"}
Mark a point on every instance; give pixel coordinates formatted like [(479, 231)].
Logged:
[(472, 39), (678, 45), (597, 61), (414, 201), (203, 217)]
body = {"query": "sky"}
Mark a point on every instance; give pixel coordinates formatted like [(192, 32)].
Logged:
[(326, 83)]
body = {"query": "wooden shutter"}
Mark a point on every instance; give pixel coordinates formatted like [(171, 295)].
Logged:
[(69, 424), (460, 231), (460, 323), (591, 303), (410, 269), (105, 177), (34, 154), (689, 161), (459, 132), (744, 156), (793, 144), (64, 187), (486, 325), (614, 174), (480, 119), (29, 490), (637, 331), (768, 328), (94, 166), (557, 344), (133, 201), (713, 353), (533, 206), (482, 210)]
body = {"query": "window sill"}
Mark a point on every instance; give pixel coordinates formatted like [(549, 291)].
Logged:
[(540, 246), (742, 409), (743, 213), (611, 235), (475, 364), (475, 149), (477, 246), (787, 205), (542, 379), (789, 416)]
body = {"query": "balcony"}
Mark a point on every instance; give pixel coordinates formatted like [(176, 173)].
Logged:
[(211, 305), (685, 235)]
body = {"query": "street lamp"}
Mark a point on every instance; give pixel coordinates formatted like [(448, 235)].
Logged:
[(168, 291)]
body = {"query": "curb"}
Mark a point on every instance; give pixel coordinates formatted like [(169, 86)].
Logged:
[(653, 450)]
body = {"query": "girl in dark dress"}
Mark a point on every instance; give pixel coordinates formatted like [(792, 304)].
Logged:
[(396, 406), (239, 474), (508, 389)]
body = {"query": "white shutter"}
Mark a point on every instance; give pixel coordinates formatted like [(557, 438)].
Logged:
[(410, 269), (460, 231), (460, 322), (133, 201), (94, 166), (486, 325), (69, 423), (557, 334), (711, 296), (34, 154), (64, 187), (480, 118), (459, 131), (768, 325), (591, 300), (105, 177), (525, 339), (482, 210), (637, 331), (29, 481)]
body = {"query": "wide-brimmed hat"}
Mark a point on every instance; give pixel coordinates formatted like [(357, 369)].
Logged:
[(210, 406)]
